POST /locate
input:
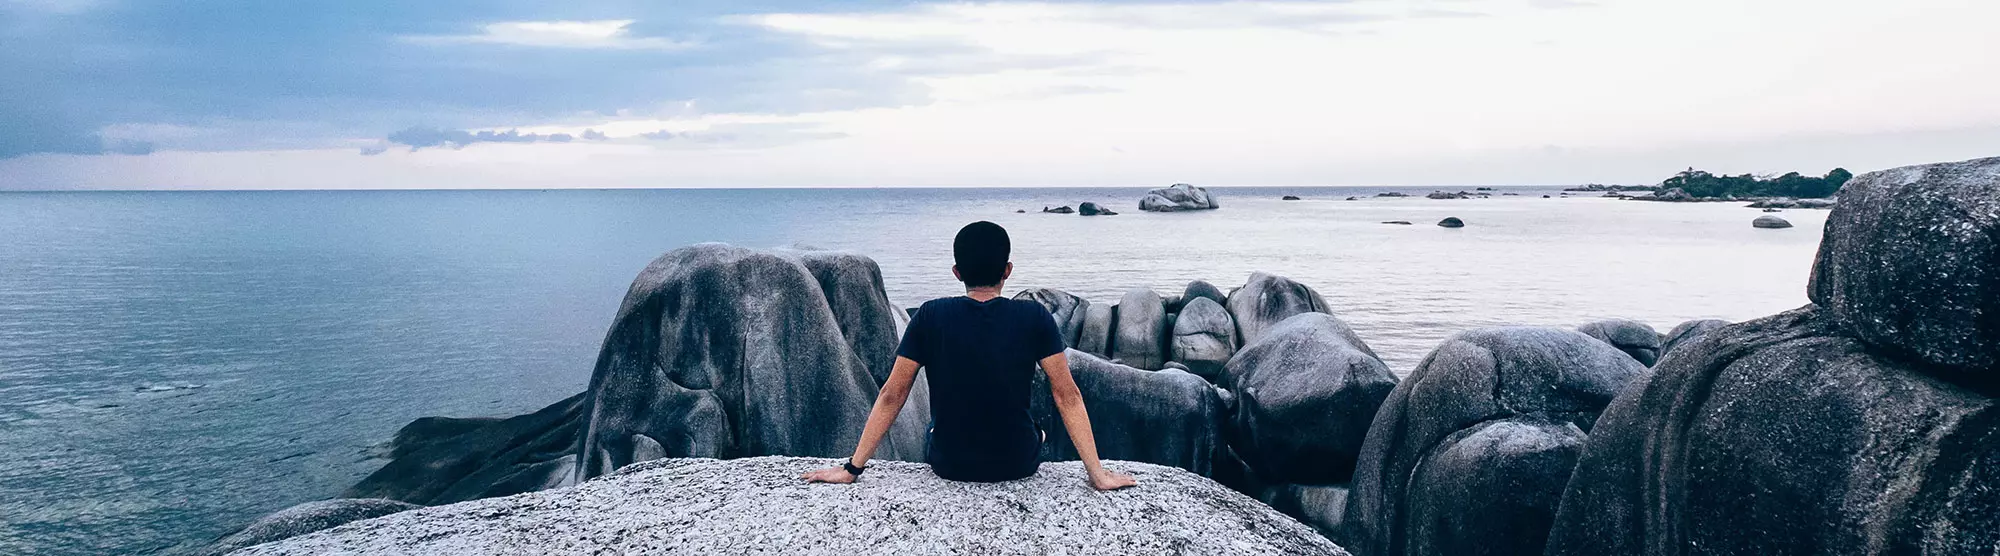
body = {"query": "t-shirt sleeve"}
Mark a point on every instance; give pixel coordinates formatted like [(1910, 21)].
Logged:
[(1047, 338), (914, 346)]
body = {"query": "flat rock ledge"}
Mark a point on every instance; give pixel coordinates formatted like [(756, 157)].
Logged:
[(759, 506)]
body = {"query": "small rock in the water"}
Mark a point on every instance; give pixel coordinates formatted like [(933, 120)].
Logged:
[(1088, 208), (1451, 222), (1059, 210), (1773, 210), (1772, 222), (1353, 198), (1020, 211), (1400, 222), (1545, 196), (1291, 198), (1178, 197)]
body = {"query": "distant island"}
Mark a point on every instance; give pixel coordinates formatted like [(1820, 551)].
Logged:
[(1703, 185)]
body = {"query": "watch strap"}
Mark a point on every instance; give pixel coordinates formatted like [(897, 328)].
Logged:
[(851, 469)]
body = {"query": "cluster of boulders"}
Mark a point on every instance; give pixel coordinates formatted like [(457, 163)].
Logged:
[(1865, 422), (1178, 197)]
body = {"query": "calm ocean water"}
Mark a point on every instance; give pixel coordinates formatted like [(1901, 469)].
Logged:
[(173, 365)]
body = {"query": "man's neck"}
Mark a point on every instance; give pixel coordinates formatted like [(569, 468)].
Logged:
[(983, 294)]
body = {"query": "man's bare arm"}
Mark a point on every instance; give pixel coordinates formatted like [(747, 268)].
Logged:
[(1069, 402), (887, 404)]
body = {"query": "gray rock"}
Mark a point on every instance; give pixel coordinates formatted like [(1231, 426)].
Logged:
[(1785, 436), (1451, 222), (1178, 197), (442, 460), (1321, 506), (1290, 198), (1201, 288), (1688, 331), (305, 518), (716, 351), (1770, 222), (1474, 377), (1306, 391), (1910, 263), (1397, 222), (1492, 488), (1088, 208), (1069, 310), (1059, 210), (1139, 337), (1204, 337), (1676, 195), (1448, 195), (1268, 298), (1816, 203), (790, 384), (694, 506), (1632, 337), (1094, 336), (1164, 417)]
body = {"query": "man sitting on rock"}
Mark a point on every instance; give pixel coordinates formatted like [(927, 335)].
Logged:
[(981, 350)]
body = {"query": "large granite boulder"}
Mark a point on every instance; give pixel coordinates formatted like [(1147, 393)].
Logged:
[(1687, 331), (1536, 381), (717, 351), (1910, 263), (1784, 436), (1268, 298), (1204, 337), (1632, 337), (1068, 309), (1492, 488), (700, 506), (785, 381), (1139, 337), (1178, 197), (310, 517), (1094, 336), (1167, 417), (1306, 392)]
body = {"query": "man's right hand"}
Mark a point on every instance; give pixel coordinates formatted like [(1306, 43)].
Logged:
[(835, 475), (1108, 480)]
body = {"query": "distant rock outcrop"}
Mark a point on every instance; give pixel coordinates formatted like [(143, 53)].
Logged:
[(1178, 197), (1092, 209), (1768, 221), (1451, 222), (1059, 210), (701, 506), (1468, 453)]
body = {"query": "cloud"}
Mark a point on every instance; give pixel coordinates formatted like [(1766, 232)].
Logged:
[(422, 137), (612, 34)]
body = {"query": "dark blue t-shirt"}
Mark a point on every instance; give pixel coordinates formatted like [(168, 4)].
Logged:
[(980, 360)]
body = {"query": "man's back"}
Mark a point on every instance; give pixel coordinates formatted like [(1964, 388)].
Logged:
[(980, 359)]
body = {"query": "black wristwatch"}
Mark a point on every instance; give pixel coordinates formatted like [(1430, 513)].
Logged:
[(851, 469)]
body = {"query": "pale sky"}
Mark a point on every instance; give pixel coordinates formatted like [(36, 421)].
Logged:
[(111, 94)]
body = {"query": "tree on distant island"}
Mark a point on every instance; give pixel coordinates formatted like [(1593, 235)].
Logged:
[(1703, 184)]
